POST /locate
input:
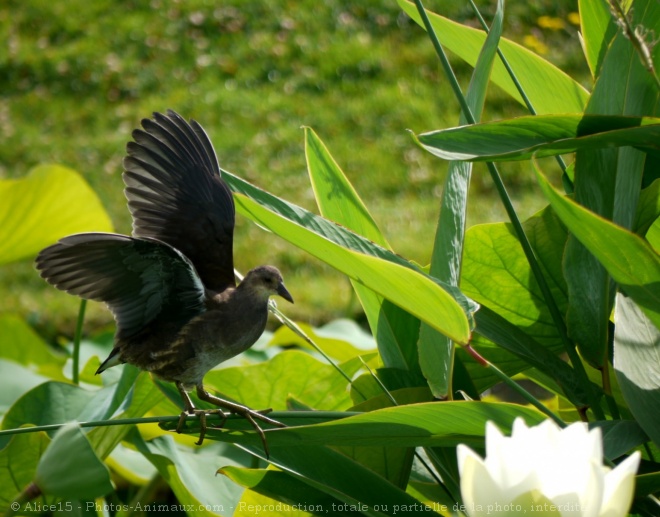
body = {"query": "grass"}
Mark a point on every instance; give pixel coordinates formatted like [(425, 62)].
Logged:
[(78, 76)]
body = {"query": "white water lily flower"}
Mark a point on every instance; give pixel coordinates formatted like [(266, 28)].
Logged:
[(544, 471)]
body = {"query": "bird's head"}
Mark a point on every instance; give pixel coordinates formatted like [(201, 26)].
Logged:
[(267, 281)]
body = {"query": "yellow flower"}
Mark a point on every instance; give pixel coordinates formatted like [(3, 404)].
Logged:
[(574, 18), (545, 471), (552, 23), (533, 43)]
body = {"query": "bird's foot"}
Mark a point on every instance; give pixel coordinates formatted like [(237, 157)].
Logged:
[(201, 414), (252, 416), (249, 414)]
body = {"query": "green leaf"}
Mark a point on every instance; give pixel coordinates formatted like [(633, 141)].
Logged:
[(414, 292), (620, 436), (545, 135), (288, 374), (283, 487), (330, 231), (607, 182), (49, 403), (27, 348), (15, 380), (597, 30), (631, 261), (436, 351), (396, 331), (345, 480), (191, 473), (49, 203), (335, 196), (537, 76), (648, 208), (647, 484), (133, 396), (340, 339), (514, 314), (653, 235), (637, 364), (70, 468), (18, 462)]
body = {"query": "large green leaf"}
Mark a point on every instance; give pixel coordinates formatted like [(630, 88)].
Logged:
[(549, 89), (191, 473), (608, 182), (436, 351), (395, 330), (414, 292), (597, 30), (70, 469), (340, 339), (335, 196), (289, 374), (514, 314), (49, 203), (546, 135), (295, 495), (24, 346), (627, 257), (353, 485), (18, 462), (637, 364)]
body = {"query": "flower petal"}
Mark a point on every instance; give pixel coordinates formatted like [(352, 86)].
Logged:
[(479, 490), (619, 485)]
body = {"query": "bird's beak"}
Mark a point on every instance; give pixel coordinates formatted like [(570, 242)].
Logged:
[(281, 290)]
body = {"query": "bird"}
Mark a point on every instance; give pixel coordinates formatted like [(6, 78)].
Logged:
[(171, 285)]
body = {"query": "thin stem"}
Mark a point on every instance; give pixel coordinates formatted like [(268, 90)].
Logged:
[(76, 342), (607, 389), (517, 226), (514, 385), (315, 415)]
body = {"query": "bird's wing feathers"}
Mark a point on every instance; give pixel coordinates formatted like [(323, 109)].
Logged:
[(176, 195), (141, 280)]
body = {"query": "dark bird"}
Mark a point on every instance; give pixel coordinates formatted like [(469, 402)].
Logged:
[(171, 286)]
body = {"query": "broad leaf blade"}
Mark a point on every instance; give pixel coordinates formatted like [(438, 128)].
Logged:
[(408, 289), (537, 76), (49, 203), (627, 257), (396, 331), (637, 364), (543, 135), (598, 29)]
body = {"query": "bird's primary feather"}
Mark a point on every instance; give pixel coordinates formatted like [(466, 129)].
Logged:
[(141, 280), (176, 195)]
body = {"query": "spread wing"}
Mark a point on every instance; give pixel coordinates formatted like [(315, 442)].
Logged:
[(176, 195), (141, 280)]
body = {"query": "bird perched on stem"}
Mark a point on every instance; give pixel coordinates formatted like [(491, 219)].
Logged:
[(171, 286)]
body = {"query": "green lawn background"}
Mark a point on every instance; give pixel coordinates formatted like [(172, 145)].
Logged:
[(77, 76)]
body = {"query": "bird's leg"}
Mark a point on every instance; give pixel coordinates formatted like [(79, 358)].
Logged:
[(249, 414), (191, 410)]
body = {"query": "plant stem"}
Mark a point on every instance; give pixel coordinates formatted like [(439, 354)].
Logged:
[(514, 385), (76, 342), (332, 415)]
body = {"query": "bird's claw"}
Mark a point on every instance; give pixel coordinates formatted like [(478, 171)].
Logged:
[(201, 414), (249, 414)]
